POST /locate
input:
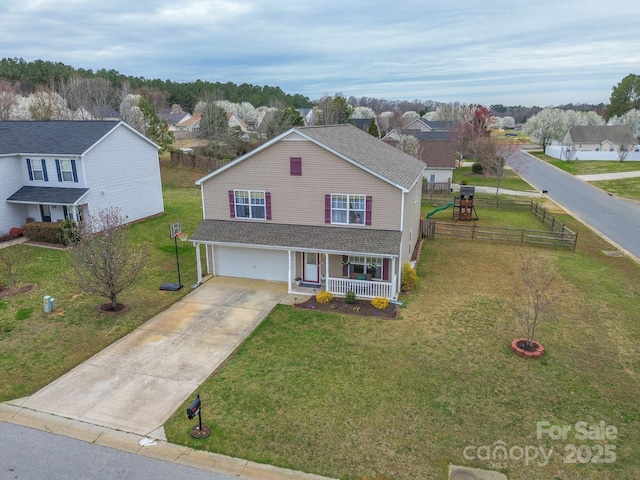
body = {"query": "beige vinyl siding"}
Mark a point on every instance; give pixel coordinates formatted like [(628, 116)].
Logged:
[(301, 199), (413, 200)]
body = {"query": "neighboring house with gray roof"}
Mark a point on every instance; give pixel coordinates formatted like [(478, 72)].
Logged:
[(70, 169), (596, 143), (437, 151), (330, 205), (425, 125)]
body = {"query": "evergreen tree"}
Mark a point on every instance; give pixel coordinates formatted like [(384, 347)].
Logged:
[(373, 128)]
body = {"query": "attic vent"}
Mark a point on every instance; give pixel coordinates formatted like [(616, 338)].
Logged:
[(464, 473)]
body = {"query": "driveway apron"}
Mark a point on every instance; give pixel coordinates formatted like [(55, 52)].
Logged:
[(137, 383)]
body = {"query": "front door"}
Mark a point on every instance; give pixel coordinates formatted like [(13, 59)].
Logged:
[(45, 210), (311, 268)]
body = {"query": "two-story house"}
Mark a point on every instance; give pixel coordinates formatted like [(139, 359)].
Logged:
[(59, 170), (329, 205)]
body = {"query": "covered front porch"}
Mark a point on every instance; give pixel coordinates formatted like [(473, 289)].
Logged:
[(368, 276), (50, 204)]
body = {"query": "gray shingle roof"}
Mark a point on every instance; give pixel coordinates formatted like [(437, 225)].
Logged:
[(53, 137), (615, 134), (48, 195), (300, 237), (369, 152)]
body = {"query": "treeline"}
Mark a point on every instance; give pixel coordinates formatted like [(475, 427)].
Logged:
[(41, 73)]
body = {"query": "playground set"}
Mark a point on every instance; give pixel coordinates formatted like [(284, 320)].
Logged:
[(462, 204)]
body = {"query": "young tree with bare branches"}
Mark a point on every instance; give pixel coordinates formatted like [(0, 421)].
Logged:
[(104, 261), (534, 293)]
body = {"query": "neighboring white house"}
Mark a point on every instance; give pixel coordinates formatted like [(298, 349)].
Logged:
[(69, 169), (596, 143)]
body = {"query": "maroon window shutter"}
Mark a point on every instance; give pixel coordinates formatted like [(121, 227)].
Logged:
[(327, 208), (368, 210), (295, 166), (267, 201), (232, 204), (385, 269), (345, 268)]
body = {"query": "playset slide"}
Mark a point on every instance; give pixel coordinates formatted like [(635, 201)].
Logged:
[(439, 209)]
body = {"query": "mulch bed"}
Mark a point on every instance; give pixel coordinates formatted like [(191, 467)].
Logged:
[(8, 292), (361, 308)]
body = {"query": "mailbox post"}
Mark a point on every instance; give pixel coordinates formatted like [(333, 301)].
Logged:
[(194, 409)]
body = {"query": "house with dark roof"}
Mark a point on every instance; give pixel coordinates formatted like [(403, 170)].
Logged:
[(596, 143), (437, 151), (425, 125), (365, 123), (59, 170), (331, 206)]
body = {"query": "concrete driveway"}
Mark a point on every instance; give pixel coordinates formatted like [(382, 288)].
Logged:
[(135, 384)]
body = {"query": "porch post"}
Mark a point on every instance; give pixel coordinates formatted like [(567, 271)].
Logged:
[(326, 269), (394, 279), (289, 270), (198, 265)]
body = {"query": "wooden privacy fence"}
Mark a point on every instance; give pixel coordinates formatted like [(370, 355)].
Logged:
[(559, 236), (206, 164), (436, 188)]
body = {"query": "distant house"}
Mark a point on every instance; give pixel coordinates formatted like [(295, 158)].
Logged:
[(437, 151), (173, 117), (190, 124), (58, 170), (331, 206), (424, 125), (596, 143)]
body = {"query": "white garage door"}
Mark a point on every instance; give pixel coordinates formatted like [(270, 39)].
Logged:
[(251, 263)]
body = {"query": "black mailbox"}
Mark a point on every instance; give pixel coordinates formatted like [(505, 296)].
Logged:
[(194, 408)]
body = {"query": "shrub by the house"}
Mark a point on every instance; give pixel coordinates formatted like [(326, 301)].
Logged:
[(324, 297), (409, 277), (380, 303), (42, 232)]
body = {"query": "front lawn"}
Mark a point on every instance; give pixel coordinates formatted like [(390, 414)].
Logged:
[(36, 348), (358, 398), (623, 187)]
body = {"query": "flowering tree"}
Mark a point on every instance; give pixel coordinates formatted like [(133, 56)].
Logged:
[(547, 125), (410, 145)]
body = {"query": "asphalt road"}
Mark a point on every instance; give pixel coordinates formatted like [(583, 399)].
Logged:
[(33, 454), (616, 219)]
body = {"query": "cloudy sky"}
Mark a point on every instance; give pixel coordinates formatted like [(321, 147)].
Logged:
[(544, 52)]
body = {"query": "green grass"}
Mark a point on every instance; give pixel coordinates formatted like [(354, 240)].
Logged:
[(588, 167), (357, 398), (36, 348), (623, 187), (511, 180)]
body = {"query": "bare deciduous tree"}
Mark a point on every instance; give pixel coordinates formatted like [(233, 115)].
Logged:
[(8, 99), (534, 293), (104, 261), (12, 259), (623, 152)]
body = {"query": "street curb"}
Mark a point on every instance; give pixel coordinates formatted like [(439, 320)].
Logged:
[(12, 412)]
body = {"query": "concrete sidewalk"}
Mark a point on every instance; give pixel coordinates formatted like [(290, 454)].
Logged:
[(136, 384), (608, 176)]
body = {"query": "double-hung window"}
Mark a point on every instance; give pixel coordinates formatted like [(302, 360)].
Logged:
[(348, 209), (37, 170), (66, 170), (250, 204)]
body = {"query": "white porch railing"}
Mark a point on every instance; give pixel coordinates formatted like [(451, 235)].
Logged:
[(362, 288)]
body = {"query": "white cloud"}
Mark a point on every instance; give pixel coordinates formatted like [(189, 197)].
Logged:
[(543, 53)]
